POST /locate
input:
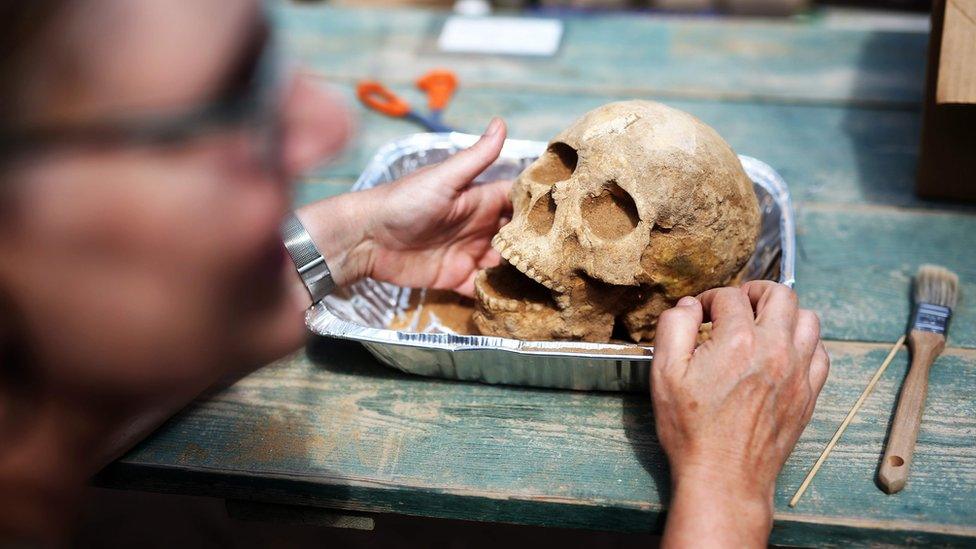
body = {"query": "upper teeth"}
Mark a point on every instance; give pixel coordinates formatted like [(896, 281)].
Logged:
[(514, 259)]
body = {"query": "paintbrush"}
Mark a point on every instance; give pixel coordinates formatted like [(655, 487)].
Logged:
[(936, 291)]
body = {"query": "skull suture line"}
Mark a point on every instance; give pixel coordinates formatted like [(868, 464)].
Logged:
[(632, 207)]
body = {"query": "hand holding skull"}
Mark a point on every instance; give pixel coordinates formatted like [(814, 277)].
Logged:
[(728, 412), (430, 229)]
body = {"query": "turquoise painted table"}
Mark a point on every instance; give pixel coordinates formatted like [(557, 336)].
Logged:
[(830, 100)]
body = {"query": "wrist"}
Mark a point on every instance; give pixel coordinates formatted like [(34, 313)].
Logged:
[(745, 498), (740, 483), (709, 508), (339, 228)]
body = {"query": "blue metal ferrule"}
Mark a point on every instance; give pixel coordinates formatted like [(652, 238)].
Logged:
[(932, 318)]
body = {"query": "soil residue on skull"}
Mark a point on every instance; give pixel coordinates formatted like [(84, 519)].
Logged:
[(630, 208), (557, 164), (611, 214)]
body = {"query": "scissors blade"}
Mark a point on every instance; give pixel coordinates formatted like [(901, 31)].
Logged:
[(430, 123)]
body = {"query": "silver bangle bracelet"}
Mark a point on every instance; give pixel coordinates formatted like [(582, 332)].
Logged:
[(308, 260)]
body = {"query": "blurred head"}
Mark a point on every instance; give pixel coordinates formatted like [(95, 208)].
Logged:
[(129, 266)]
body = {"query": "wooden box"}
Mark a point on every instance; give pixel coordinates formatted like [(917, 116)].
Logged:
[(947, 164)]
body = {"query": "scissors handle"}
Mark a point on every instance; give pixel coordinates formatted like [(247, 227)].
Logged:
[(439, 85), (377, 97)]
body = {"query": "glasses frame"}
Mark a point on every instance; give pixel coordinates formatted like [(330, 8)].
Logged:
[(256, 104)]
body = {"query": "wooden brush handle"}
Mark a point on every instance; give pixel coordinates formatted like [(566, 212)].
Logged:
[(926, 347)]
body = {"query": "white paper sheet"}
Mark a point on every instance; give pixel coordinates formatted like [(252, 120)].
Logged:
[(501, 35)]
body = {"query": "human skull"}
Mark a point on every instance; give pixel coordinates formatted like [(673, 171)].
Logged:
[(630, 208)]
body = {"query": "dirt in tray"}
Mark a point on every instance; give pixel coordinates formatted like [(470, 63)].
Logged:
[(435, 310), (442, 310)]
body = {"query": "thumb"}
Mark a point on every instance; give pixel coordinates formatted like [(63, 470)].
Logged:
[(677, 332), (458, 170)]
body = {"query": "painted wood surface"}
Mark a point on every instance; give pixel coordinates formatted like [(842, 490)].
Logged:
[(799, 60), (337, 429), (825, 153), (855, 267), (830, 104)]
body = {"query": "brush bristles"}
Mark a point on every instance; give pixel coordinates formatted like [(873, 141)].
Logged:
[(936, 285)]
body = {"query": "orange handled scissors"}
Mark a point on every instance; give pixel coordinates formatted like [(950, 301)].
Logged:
[(439, 86)]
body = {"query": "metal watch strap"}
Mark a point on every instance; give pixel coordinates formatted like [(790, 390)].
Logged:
[(309, 262)]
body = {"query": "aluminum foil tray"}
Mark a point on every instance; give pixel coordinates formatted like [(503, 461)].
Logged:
[(363, 311)]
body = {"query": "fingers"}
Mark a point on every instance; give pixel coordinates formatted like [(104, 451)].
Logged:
[(819, 368), (458, 170), (729, 311), (806, 338), (776, 305), (496, 196), (490, 259), (677, 332), (466, 288)]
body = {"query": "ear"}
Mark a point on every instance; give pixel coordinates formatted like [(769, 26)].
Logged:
[(317, 124)]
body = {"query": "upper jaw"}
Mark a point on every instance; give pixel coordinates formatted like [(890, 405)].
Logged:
[(510, 254)]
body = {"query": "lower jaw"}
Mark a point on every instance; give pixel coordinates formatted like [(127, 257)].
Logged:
[(510, 304), (505, 288)]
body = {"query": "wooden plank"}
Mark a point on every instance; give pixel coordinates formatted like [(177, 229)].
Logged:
[(855, 267), (795, 60), (825, 153), (337, 429)]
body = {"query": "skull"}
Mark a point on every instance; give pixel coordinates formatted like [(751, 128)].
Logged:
[(632, 207)]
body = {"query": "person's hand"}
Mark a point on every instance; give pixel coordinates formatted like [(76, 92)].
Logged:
[(434, 228), (729, 412), (430, 229)]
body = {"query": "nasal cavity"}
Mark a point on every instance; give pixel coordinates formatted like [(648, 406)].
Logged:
[(542, 214), (557, 164), (612, 214)]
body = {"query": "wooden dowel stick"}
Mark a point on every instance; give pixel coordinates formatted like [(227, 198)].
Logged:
[(847, 420)]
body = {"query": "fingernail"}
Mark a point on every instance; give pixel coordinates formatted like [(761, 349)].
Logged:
[(493, 127), (687, 301)]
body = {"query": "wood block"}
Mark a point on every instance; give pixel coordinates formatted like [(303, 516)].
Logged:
[(957, 62), (948, 161)]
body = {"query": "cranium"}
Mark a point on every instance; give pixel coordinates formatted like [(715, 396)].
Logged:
[(632, 207)]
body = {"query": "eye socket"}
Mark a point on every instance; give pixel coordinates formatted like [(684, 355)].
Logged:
[(612, 214), (556, 164), (543, 214)]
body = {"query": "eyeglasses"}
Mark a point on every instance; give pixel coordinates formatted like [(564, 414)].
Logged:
[(252, 100)]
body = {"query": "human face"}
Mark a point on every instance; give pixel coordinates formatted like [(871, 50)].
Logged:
[(146, 267)]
